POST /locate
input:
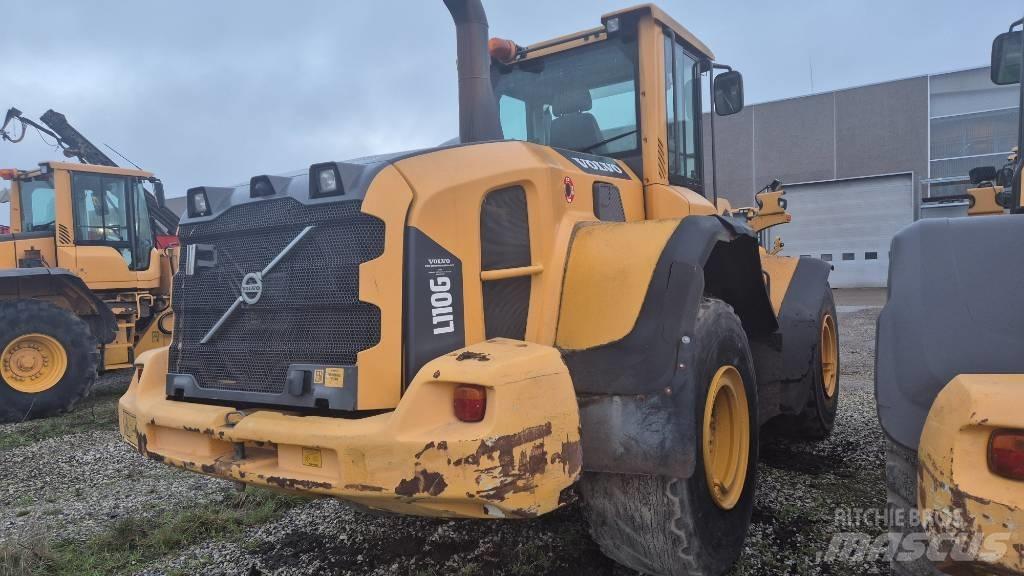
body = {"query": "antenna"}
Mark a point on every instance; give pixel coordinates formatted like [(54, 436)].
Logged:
[(810, 66), (122, 156)]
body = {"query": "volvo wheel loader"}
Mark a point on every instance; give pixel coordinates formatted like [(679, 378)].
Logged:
[(949, 374), (84, 286), (472, 330)]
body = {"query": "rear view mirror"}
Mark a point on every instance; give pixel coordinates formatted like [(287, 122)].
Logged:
[(728, 93), (1006, 58)]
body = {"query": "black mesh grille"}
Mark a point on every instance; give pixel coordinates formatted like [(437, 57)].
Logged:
[(309, 311)]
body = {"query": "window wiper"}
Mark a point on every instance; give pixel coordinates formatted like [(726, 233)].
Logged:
[(609, 140)]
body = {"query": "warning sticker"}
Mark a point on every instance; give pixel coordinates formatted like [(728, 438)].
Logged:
[(334, 377), (312, 457), (318, 376)]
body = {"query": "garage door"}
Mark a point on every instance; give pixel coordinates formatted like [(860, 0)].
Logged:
[(849, 223)]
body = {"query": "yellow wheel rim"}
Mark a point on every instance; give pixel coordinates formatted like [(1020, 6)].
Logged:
[(829, 356), (726, 437), (33, 363)]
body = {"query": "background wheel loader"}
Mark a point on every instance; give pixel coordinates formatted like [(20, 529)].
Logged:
[(84, 283), (471, 330), (950, 375)]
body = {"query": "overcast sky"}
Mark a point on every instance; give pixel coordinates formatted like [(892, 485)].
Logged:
[(211, 93)]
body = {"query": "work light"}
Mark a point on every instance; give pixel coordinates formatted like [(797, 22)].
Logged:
[(324, 180), (198, 203)]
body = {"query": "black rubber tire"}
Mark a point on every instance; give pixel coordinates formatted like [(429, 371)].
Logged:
[(36, 316), (901, 501), (817, 419), (672, 526)]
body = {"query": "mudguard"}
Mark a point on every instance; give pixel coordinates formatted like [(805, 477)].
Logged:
[(635, 401), (786, 359), (42, 282), (955, 307)]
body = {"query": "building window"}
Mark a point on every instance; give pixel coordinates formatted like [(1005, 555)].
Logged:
[(871, 255), (848, 256), (826, 257), (965, 141)]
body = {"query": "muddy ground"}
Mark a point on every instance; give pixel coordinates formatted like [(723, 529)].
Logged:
[(74, 499)]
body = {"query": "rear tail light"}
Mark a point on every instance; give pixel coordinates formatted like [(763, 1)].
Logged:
[(1006, 454), (470, 403)]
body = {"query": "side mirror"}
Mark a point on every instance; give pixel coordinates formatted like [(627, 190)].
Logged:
[(728, 93), (982, 174), (1006, 58), (158, 191)]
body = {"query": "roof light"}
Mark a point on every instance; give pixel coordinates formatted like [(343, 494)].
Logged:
[(325, 180), (198, 203), (612, 25), (8, 173), (502, 50)]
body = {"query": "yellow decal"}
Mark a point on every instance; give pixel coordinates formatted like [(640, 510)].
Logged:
[(129, 428), (318, 376), (312, 457), (335, 378)]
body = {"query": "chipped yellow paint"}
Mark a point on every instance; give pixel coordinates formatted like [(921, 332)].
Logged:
[(417, 459), (957, 494)]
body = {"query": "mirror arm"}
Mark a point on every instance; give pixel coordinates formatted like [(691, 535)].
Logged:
[(711, 67)]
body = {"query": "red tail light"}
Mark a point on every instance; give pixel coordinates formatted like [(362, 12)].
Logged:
[(1006, 454), (470, 403)]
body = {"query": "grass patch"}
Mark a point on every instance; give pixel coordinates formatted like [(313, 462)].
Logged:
[(97, 412), (135, 541)]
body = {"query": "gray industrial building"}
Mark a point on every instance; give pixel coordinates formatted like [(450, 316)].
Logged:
[(858, 162)]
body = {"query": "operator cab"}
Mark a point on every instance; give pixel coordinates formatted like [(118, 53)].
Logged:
[(588, 92)]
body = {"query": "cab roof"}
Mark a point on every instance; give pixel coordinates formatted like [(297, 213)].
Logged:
[(663, 17)]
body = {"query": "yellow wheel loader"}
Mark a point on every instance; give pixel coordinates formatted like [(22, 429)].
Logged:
[(84, 286), (950, 375), (471, 330)]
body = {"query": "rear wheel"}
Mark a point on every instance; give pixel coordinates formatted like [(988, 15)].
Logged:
[(818, 416), (691, 526), (48, 360)]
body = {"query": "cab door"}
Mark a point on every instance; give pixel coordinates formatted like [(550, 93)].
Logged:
[(106, 252)]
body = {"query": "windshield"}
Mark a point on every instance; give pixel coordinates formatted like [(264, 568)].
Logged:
[(582, 99), (37, 205)]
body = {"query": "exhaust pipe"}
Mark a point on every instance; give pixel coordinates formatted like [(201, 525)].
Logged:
[(478, 108)]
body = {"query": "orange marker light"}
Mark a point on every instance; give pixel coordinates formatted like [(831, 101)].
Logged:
[(502, 50), (470, 403), (8, 173), (1006, 454)]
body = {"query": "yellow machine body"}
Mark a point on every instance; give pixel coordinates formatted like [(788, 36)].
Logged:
[(139, 299), (960, 499), (591, 283)]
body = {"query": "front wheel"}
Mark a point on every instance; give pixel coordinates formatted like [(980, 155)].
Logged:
[(48, 359), (691, 526)]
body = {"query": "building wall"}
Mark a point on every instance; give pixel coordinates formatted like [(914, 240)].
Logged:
[(865, 131)]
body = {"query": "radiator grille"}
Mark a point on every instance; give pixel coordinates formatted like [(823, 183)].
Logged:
[(308, 312)]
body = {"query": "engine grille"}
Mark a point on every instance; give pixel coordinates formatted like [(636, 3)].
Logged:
[(309, 310)]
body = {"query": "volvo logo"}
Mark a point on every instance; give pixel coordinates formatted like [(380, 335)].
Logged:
[(252, 287)]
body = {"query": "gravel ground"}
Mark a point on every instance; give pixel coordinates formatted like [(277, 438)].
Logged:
[(71, 485)]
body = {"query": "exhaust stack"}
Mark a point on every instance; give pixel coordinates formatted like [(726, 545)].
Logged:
[(478, 108)]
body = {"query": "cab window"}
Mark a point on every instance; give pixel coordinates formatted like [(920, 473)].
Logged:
[(682, 100), (144, 238), (37, 205), (582, 99)]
